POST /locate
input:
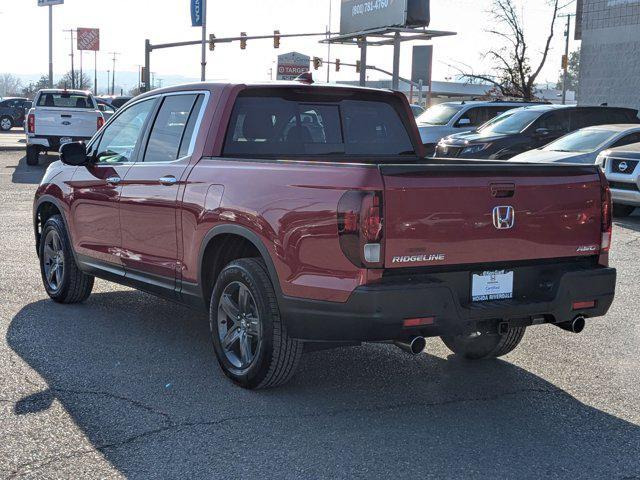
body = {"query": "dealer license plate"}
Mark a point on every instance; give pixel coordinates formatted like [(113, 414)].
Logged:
[(492, 285)]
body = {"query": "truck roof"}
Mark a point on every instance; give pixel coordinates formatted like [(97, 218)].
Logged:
[(263, 84), (64, 90)]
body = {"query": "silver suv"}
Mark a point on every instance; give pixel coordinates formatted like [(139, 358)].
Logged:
[(621, 168)]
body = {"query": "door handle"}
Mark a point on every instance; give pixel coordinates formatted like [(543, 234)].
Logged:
[(113, 180), (168, 180)]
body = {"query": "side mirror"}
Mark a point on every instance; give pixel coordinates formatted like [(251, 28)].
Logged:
[(542, 132), (464, 122), (74, 153), (102, 108)]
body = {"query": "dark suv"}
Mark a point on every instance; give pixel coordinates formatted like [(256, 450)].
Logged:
[(526, 128), (12, 112)]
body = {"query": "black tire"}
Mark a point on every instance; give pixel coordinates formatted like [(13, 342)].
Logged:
[(622, 210), (484, 346), (72, 286), (5, 122), (33, 155), (276, 356)]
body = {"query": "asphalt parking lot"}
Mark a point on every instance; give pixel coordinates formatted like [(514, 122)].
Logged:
[(126, 385)]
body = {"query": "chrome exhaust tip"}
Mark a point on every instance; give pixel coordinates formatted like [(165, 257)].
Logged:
[(415, 346), (574, 326)]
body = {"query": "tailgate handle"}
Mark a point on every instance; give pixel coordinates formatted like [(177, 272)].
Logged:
[(503, 190), (65, 116)]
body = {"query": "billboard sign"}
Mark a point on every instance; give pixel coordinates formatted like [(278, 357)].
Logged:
[(46, 3), (363, 15), (88, 39), (421, 64), (197, 12), (292, 64)]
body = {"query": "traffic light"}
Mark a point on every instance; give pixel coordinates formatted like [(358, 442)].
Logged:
[(337, 64), (358, 66), (212, 43), (276, 39), (243, 42), (565, 62), (317, 63)]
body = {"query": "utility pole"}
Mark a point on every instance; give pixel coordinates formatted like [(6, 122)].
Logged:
[(113, 73), (95, 72), (81, 81), (565, 58), (73, 72), (50, 46)]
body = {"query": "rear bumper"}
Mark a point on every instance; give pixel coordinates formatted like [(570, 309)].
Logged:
[(52, 142), (377, 312)]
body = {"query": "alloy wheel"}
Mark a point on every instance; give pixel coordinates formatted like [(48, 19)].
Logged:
[(5, 124), (239, 326), (53, 260)]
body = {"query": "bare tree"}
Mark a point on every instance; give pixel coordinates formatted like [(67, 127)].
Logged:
[(512, 74), (84, 83), (10, 85)]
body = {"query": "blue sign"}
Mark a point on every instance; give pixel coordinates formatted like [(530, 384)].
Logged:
[(197, 12)]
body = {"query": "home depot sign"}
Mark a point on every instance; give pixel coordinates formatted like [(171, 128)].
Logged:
[(89, 39), (290, 65)]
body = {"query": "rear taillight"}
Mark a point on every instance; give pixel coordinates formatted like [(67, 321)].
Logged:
[(31, 123), (360, 220), (606, 213), (100, 122)]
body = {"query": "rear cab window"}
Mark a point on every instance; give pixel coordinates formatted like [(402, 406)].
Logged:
[(294, 123), (65, 100)]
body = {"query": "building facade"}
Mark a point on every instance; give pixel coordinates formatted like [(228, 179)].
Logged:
[(610, 52)]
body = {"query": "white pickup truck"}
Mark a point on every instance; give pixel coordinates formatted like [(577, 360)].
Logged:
[(60, 116)]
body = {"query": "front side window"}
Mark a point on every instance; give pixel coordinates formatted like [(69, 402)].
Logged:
[(167, 133), (65, 100), (555, 122), (121, 136), (511, 122), (274, 126)]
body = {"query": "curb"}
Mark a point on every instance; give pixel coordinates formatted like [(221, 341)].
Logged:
[(12, 148)]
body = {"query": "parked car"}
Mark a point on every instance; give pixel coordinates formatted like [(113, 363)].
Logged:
[(620, 166), (417, 110), (60, 116), (219, 196), (526, 128), (12, 113), (584, 145), (106, 108), (448, 118), (114, 100)]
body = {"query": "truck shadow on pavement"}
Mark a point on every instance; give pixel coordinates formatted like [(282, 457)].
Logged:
[(24, 173), (138, 376)]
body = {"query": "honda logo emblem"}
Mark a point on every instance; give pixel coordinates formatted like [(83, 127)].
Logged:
[(504, 217)]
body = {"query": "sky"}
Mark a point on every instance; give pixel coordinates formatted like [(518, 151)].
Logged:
[(125, 24)]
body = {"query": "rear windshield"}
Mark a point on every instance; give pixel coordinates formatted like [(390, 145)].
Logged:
[(308, 125), (65, 100)]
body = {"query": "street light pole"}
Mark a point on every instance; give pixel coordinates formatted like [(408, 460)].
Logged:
[(203, 64)]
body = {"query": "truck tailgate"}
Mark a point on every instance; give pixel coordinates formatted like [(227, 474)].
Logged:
[(67, 122), (446, 214)]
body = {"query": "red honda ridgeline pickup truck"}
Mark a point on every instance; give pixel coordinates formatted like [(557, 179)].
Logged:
[(305, 217)]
